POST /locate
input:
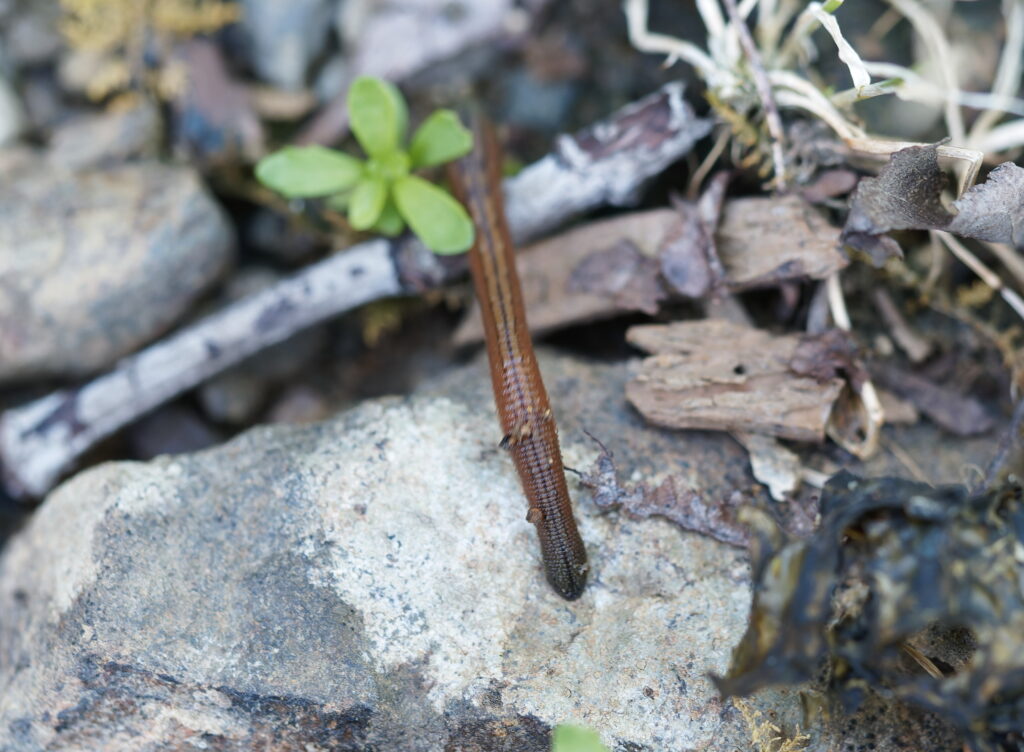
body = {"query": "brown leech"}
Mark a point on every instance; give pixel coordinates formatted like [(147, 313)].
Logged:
[(522, 402)]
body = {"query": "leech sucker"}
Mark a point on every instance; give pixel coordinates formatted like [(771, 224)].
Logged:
[(519, 393)]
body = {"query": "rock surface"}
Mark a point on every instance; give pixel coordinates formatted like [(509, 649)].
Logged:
[(106, 138), (370, 583), (96, 263), (286, 37), (12, 114)]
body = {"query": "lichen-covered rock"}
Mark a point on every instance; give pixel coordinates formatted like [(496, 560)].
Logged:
[(370, 583), (96, 263)]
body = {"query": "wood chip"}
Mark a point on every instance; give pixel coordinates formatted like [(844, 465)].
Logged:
[(760, 241), (722, 376), (763, 241), (557, 273)]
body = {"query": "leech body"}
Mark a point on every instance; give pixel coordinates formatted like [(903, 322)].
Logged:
[(522, 402)]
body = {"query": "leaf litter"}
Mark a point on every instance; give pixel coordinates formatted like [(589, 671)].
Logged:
[(907, 195)]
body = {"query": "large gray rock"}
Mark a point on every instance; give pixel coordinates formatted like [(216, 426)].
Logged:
[(370, 583), (94, 264)]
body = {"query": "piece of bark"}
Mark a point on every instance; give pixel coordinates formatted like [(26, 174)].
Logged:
[(765, 240), (760, 242), (671, 499), (42, 440), (552, 271), (960, 414), (721, 376)]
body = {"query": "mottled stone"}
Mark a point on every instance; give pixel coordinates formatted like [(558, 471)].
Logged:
[(370, 582), (106, 138), (286, 37), (94, 264)]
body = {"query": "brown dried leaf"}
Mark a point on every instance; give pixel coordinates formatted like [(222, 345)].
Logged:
[(684, 255), (957, 413), (723, 376), (689, 260), (906, 195), (827, 356), (622, 274)]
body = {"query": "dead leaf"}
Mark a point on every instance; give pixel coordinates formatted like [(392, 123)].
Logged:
[(772, 464), (827, 356), (718, 375), (623, 274), (690, 262), (994, 210), (957, 413), (684, 256), (829, 184), (907, 195)]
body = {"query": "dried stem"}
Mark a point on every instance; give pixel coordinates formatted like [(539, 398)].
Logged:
[(764, 90), (873, 412), (987, 276)]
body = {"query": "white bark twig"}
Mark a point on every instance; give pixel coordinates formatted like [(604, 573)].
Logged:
[(608, 163)]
